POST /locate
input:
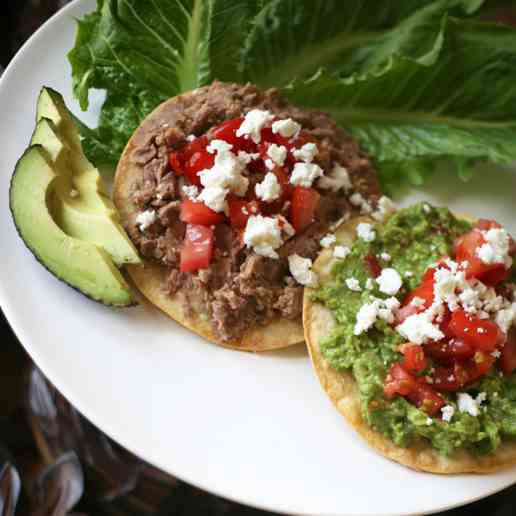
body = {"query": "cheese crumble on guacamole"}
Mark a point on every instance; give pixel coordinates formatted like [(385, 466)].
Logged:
[(427, 328)]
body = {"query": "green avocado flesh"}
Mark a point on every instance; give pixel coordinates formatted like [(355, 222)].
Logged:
[(415, 238), (82, 207), (83, 265)]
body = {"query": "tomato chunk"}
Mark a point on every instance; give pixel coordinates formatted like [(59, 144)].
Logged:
[(240, 211), (482, 334), (508, 357), (197, 250), (449, 379), (478, 366), (414, 358), (425, 291), (372, 265), (398, 381), (466, 248), (227, 132), (199, 161), (447, 351), (303, 207), (174, 160), (198, 213), (426, 398)]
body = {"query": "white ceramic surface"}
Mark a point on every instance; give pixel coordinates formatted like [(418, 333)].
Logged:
[(253, 428)]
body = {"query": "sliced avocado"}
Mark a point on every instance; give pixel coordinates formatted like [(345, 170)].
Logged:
[(86, 212), (82, 265), (72, 213)]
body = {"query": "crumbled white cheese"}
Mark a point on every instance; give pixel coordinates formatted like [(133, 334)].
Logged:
[(301, 270), (370, 312), (190, 191), (366, 317), (269, 189), (353, 284), (386, 257), (253, 124), (286, 128), (468, 404), (426, 208), (269, 164), (225, 176), (218, 146), (385, 208), (328, 240), (358, 200), (190, 138), (408, 274), (429, 421), (506, 317), (419, 328), (337, 179), (496, 248), (145, 219), (74, 193), (496, 353), (306, 153), (365, 232), (246, 157), (389, 281), (277, 153), (369, 284), (285, 226), (341, 251), (304, 174), (214, 197), (447, 412), (263, 234)]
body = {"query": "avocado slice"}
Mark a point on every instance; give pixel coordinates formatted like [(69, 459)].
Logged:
[(81, 264), (86, 211)]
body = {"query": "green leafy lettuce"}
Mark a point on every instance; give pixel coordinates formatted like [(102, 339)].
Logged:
[(411, 83)]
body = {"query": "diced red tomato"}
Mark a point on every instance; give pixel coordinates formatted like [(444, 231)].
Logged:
[(426, 398), (174, 160), (197, 145), (303, 206), (449, 379), (372, 265), (198, 213), (271, 208), (449, 350), (398, 381), (425, 291), (466, 248), (197, 250), (227, 132), (414, 358), (482, 334), (478, 366), (199, 161), (508, 357), (240, 211)]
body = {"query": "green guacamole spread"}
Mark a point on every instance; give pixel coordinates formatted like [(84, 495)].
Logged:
[(414, 238)]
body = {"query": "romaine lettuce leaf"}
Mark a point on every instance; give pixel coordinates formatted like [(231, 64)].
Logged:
[(145, 51), (462, 107)]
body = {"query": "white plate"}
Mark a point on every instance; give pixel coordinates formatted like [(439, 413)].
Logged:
[(253, 428)]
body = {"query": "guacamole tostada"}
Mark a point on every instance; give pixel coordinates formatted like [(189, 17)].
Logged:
[(411, 331), (228, 192)]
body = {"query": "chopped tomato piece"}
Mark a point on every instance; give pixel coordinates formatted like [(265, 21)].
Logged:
[(197, 249), (426, 398), (197, 145), (508, 357), (425, 291), (303, 207), (478, 366), (174, 160), (449, 379), (372, 265), (269, 208), (198, 213), (398, 381), (466, 248), (240, 211), (227, 132), (199, 161), (414, 358), (446, 351), (482, 334)]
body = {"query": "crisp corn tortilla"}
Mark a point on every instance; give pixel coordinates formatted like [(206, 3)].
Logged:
[(148, 277), (343, 391)]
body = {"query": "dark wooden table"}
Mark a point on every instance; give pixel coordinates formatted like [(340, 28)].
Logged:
[(64, 464)]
